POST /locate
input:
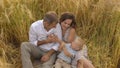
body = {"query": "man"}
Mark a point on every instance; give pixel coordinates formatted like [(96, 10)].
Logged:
[(43, 44)]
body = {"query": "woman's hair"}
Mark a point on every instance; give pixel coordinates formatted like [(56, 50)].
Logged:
[(68, 15)]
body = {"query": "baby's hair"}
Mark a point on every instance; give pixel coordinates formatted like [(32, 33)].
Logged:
[(80, 40)]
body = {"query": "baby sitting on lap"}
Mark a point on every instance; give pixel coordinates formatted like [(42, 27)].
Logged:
[(68, 52)]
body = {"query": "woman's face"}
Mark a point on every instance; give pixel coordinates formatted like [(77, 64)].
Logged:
[(66, 24)]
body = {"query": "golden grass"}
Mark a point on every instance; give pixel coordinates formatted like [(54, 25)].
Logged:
[(9, 56), (3, 62), (98, 22)]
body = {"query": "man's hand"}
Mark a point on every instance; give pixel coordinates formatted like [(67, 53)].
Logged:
[(52, 38), (45, 58)]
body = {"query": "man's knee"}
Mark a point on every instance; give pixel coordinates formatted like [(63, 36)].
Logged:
[(50, 63), (47, 65), (24, 45)]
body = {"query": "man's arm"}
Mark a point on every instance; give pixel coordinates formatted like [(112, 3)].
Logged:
[(43, 42), (58, 37), (50, 39), (51, 52), (33, 38), (38, 43), (47, 56)]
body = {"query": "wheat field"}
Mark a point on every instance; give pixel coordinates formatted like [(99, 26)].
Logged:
[(98, 23)]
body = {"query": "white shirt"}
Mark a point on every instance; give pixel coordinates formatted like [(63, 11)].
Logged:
[(38, 33)]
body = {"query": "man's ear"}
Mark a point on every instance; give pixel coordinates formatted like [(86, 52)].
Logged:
[(47, 24)]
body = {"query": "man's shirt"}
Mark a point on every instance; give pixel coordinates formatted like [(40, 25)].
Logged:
[(38, 33)]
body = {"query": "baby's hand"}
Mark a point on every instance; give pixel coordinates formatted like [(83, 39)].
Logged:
[(62, 45)]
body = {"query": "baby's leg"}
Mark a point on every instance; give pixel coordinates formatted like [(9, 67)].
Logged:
[(58, 63)]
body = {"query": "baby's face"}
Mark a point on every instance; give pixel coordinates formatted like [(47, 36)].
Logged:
[(76, 45)]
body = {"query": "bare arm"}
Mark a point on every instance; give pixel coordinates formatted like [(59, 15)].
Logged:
[(51, 52), (71, 36), (66, 52), (64, 49), (47, 56), (33, 38), (43, 42)]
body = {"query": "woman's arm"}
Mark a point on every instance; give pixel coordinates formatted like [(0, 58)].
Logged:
[(72, 35), (66, 52), (63, 48)]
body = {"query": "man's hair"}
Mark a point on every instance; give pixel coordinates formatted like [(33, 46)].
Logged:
[(50, 17)]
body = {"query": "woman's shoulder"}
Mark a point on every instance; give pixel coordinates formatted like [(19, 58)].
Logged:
[(72, 29)]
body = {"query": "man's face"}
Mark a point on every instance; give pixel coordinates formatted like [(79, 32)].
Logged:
[(50, 26)]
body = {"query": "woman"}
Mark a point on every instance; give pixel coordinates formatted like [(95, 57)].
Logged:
[(68, 25)]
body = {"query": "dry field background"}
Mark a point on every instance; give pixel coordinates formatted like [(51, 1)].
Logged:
[(98, 22)]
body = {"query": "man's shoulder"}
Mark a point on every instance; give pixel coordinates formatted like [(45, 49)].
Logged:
[(58, 26), (36, 23)]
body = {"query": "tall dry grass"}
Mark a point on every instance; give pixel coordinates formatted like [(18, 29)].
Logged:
[(98, 22)]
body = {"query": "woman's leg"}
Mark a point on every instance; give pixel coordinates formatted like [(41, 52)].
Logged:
[(85, 63), (80, 64)]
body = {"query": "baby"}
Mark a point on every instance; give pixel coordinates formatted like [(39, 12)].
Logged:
[(68, 52)]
